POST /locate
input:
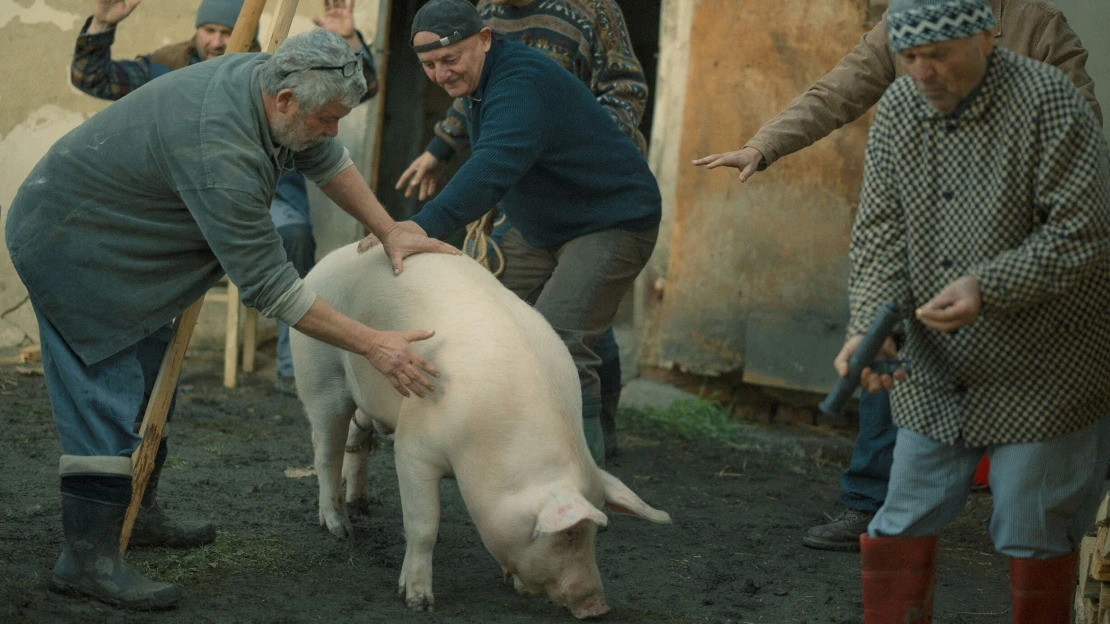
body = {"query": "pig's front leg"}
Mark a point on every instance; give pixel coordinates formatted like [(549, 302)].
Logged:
[(328, 436), (419, 482), (360, 443)]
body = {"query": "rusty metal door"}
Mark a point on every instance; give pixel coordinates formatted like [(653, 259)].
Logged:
[(757, 272)]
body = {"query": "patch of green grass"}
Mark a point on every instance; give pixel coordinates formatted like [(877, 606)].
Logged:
[(176, 461), (260, 554), (689, 420)]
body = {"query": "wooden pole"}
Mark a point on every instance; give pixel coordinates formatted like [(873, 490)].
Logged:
[(279, 26), (243, 33), (154, 420), (231, 340)]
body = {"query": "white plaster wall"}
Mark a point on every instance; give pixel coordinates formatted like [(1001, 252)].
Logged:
[(39, 106)]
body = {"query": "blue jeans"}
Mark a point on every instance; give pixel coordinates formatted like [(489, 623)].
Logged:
[(1045, 493), (97, 408), (300, 249), (864, 484)]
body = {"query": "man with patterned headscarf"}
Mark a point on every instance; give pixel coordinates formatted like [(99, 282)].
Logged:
[(985, 208)]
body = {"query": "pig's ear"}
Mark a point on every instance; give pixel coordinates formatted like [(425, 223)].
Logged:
[(560, 512), (623, 500)]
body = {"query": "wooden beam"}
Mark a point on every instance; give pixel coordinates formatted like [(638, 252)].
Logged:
[(279, 26), (243, 33), (231, 342), (165, 385), (250, 339), (154, 420)]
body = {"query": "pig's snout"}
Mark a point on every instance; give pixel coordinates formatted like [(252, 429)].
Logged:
[(593, 606)]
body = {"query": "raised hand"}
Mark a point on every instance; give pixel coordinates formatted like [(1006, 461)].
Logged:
[(339, 18), (108, 13)]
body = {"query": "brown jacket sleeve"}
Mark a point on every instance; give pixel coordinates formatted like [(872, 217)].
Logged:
[(1057, 44), (839, 97)]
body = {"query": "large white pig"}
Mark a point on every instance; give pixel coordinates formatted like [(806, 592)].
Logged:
[(505, 420)]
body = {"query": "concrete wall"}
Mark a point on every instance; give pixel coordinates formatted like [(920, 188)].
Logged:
[(39, 106)]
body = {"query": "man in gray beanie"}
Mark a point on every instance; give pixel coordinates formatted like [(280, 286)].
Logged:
[(985, 209)]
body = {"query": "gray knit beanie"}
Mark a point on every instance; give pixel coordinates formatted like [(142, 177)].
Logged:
[(913, 23), (219, 12)]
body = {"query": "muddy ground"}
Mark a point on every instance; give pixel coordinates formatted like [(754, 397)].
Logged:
[(733, 554)]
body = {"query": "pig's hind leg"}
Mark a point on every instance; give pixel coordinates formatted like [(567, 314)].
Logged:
[(419, 482), (360, 444), (329, 436)]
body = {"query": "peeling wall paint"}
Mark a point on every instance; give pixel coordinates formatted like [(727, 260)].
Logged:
[(37, 39), (39, 12)]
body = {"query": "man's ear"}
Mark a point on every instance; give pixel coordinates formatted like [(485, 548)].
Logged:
[(285, 101), (486, 37)]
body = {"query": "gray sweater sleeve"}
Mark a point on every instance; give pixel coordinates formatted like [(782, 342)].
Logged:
[(323, 161), (237, 227)]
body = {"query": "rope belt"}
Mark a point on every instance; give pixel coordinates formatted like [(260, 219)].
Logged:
[(478, 243)]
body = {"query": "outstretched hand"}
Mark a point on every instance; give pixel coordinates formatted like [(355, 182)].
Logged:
[(746, 160), (423, 175), (393, 356)]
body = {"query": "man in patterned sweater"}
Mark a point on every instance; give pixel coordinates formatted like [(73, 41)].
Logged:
[(590, 39), (985, 208), (94, 72), (1029, 27)]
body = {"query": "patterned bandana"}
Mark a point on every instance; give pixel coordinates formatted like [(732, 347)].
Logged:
[(914, 23)]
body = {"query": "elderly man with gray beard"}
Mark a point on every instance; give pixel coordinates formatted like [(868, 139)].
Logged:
[(134, 215), (985, 208)]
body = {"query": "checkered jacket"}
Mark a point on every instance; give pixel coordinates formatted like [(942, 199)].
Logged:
[(1012, 188)]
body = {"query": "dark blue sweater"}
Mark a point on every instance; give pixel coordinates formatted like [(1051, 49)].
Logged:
[(543, 147)]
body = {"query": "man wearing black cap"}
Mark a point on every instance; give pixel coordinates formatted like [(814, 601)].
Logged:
[(584, 206)]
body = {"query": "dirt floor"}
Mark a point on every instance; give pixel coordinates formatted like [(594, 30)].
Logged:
[(733, 554)]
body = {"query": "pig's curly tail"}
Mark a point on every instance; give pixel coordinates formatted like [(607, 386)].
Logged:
[(478, 243)]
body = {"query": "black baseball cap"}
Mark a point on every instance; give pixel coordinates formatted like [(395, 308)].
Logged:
[(452, 20)]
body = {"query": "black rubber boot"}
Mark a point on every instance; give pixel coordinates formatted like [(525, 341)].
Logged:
[(609, 404), (90, 565), (154, 528)]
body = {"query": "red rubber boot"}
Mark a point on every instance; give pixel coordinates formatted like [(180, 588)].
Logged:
[(1042, 590), (898, 578)]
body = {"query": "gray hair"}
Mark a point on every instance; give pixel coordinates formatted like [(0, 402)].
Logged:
[(289, 67)]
